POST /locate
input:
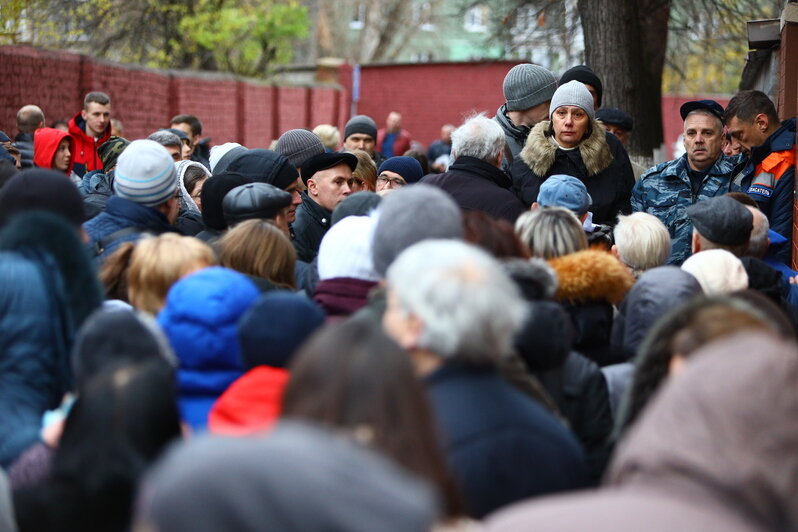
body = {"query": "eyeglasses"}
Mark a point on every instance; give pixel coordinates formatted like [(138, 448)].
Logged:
[(395, 182)]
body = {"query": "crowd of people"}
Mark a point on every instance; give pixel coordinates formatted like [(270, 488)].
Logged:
[(515, 329)]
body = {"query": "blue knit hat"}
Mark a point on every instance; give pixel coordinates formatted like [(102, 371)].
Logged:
[(407, 167), (145, 173), (273, 329)]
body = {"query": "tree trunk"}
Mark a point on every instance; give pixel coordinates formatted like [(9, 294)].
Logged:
[(625, 43)]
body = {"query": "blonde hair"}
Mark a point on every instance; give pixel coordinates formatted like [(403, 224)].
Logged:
[(156, 263), (551, 232), (366, 169), (328, 135), (260, 249), (642, 241)]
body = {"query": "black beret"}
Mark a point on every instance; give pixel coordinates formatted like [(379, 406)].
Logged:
[(722, 220), (254, 200), (615, 117), (323, 161), (709, 105)]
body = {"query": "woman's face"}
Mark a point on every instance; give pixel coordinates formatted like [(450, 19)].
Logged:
[(570, 125), (62, 156), (197, 192)]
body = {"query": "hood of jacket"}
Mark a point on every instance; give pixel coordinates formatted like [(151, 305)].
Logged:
[(45, 144), (726, 436), (591, 275), (519, 133), (539, 152), (655, 293), (251, 404)]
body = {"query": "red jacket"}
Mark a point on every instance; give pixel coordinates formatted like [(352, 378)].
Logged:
[(251, 404), (401, 143), (45, 144), (85, 156)]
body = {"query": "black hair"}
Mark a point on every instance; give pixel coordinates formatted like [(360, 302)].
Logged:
[(192, 121)]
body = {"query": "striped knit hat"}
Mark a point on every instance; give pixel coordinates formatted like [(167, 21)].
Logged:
[(145, 174)]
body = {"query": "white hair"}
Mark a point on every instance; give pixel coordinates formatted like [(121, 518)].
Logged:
[(479, 137), (469, 307), (642, 241), (758, 244), (551, 232)]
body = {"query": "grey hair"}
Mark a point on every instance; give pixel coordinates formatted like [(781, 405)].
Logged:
[(706, 113), (551, 232), (479, 137), (469, 308), (166, 138), (758, 245), (642, 241)]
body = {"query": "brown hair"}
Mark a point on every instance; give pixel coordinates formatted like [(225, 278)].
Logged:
[(259, 248), (96, 97), (351, 376), (153, 265), (366, 170), (192, 176), (747, 104), (497, 237)]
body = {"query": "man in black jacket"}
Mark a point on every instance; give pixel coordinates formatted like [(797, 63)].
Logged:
[(327, 177), (29, 119), (475, 179)]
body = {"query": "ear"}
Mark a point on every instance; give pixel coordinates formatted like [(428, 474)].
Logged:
[(534, 206), (412, 332), (84, 114), (614, 251), (312, 188), (696, 244), (762, 122)]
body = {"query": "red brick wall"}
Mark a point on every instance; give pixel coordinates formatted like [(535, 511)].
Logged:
[(788, 103), (231, 110)]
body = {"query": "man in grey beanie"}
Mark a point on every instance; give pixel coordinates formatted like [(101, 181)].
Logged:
[(298, 145), (527, 92), (360, 133)]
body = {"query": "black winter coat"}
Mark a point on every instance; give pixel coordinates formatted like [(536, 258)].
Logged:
[(312, 223), (600, 162)]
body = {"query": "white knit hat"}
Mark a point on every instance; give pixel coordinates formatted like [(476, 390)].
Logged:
[(217, 152), (573, 93), (717, 271), (145, 173), (345, 250)]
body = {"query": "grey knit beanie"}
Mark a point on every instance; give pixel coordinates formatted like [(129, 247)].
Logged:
[(409, 215), (361, 124), (573, 93), (298, 145), (528, 85)]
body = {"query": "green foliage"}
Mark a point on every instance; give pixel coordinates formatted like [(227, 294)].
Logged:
[(245, 37)]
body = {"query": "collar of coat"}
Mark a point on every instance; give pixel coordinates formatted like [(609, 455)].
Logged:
[(539, 153)]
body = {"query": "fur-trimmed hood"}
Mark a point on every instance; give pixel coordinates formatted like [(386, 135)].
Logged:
[(591, 275), (539, 152)]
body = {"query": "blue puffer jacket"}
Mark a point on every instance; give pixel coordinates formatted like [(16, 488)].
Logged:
[(200, 319), (121, 213), (665, 192)]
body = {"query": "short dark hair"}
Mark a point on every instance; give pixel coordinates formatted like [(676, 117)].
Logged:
[(96, 97), (747, 104), (192, 121)]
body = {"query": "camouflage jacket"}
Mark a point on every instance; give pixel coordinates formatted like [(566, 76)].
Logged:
[(665, 192)]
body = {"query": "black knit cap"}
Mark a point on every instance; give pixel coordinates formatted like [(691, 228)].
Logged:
[(323, 161), (722, 220), (264, 166), (584, 74), (212, 196), (41, 189)]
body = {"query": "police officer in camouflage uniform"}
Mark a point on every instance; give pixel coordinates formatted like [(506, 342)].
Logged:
[(703, 172)]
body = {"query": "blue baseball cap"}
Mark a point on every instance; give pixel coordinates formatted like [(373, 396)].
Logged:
[(566, 191)]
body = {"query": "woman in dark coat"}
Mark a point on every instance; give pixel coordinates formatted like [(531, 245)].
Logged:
[(573, 143)]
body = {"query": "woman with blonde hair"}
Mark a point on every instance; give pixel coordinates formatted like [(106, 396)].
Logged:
[(262, 252), (365, 175), (551, 232), (142, 272)]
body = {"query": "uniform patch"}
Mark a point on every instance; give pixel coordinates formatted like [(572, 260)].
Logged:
[(760, 191)]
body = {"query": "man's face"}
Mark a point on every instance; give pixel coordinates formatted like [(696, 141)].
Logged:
[(446, 134), (393, 122), (388, 180), (360, 141), (281, 220), (97, 117), (329, 187), (186, 151), (185, 128), (620, 133), (749, 135), (296, 200), (176, 152), (703, 139), (570, 125), (62, 156)]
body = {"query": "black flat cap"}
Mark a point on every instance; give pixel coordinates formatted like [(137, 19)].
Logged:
[(722, 220), (615, 117), (709, 105), (254, 200), (323, 161)]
